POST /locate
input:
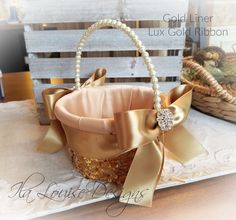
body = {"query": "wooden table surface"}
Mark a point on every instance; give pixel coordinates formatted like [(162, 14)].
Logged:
[(213, 199)]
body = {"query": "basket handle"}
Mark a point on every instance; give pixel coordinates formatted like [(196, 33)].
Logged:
[(204, 74), (123, 27)]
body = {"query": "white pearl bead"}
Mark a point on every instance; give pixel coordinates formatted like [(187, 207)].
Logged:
[(81, 44), (155, 86), (127, 29), (132, 34), (109, 21), (147, 58), (104, 21), (86, 35), (154, 79), (153, 73), (123, 26), (157, 106), (157, 99), (142, 49), (89, 30), (138, 42), (134, 38), (150, 66), (145, 54), (157, 93), (118, 24)]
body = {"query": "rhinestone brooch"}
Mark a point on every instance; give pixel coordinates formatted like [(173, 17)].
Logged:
[(165, 119)]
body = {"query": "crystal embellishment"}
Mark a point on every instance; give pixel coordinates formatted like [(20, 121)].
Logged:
[(165, 119)]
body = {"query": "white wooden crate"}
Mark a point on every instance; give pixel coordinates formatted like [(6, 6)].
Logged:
[(70, 18)]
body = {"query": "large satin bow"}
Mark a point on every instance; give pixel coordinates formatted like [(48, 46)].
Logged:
[(134, 129)]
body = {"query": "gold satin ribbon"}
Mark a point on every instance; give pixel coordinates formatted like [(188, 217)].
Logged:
[(54, 139), (134, 129), (138, 129)]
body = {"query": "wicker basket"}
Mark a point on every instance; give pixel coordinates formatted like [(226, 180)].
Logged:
[(215, 99), (113, 170)]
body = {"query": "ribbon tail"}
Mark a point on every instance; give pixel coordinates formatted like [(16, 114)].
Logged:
[(181, 145), (54, 139), (143, 175)]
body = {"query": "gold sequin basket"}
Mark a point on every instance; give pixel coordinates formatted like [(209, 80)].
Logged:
[(111, 170), (215, 99)]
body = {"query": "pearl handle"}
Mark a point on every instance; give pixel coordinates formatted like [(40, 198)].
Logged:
[(123, 27)]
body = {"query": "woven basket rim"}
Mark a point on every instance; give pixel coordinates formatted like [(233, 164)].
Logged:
[(199, 87), (204, 89)]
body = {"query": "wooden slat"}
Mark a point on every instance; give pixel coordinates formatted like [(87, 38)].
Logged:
[(117, 67), (101, 40), (38, 88), (56, 11), (154, 9)]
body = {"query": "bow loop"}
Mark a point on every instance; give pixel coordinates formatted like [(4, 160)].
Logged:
[(178, 101), (135, 128)]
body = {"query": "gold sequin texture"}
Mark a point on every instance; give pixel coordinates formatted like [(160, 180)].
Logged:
[(110, 170)]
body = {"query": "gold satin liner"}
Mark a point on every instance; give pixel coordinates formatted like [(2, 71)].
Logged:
[(134, 129), (54, 139)]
